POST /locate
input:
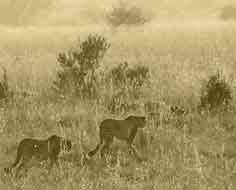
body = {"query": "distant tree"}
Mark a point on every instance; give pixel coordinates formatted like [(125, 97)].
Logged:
[(122, 14), (228, 13)]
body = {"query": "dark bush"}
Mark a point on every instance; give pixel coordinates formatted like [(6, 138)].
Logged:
[(77, 75), (124, 76), (215, 94), (121, 103), (228, 13), (118, 102), (126, 82), (137, 76), (118, 75), (122, 14)]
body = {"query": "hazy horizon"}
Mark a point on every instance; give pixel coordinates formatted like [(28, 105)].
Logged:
[(70, 12)]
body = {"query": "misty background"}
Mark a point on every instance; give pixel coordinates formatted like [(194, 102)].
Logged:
[(73, 12)]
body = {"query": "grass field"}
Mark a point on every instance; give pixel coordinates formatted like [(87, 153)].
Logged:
[(197, 153)]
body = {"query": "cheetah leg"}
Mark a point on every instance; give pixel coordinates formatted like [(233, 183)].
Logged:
[(54, 160), (106, 146), (20, 167), (135, 152)]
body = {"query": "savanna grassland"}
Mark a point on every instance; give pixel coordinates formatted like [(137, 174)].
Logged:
[(194, 152)]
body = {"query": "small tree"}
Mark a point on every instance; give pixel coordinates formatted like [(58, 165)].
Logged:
[(77, 76), (122, 14), (215, 94)]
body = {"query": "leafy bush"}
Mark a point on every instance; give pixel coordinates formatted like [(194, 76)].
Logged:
[(228, 12), (215, 94), (122, 14), (120, 103), (126, 82), (77, 76), (118, 75), (124, 76), (137, 76)]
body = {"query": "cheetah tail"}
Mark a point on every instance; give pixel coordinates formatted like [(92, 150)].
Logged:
[(93, 152), (18, 157), (9, 169)]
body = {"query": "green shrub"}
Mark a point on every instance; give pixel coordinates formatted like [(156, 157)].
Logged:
[(124, 15), (118, 102), (118, 75), (124, 76), (137, 76), (121, 103), (215, 94), (77, 75), (126, 82)]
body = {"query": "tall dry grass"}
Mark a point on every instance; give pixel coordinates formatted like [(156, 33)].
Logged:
[(197, 153)]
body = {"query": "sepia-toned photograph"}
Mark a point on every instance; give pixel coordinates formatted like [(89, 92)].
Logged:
[(117, 95)]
